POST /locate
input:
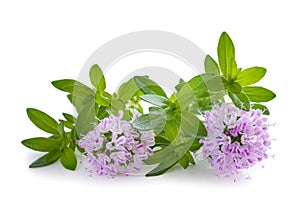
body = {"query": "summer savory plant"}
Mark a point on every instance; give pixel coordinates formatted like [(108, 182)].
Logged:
[(219, 113)]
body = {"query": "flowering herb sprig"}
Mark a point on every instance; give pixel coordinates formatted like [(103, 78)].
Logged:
[(218, 112)]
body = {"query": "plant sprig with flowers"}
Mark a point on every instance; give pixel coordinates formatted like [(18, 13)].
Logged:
[(218, 113)]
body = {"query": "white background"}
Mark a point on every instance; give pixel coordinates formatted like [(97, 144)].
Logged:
[(43, 41)]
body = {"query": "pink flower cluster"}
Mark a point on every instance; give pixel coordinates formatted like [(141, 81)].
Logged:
[(114, 147), (236, 139)]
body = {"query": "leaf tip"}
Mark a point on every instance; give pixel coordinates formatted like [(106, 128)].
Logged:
[(95, 66), (224, 33), (54, 83), (23, 142), (31, 166), (29, 111)]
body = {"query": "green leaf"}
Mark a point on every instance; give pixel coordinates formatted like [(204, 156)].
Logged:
[(143, 123), (251, 75), (211, 66), (190, 124), (75, 137), (46, 160), (193, 91), (86, 118), (196, 145), (128, 90), (102, 113), (97, 78), (72, 145), (148, 86), (162, 155), (42, 120), (68, 159), (200, 133), (156, 99), (184, 161), (116, 106), (69, 118), (261, 107), (240, 100), (173, 98), (160, 169), (161, 141), (155, 120), (171, 111), (226, 52), (258, 94), (232, 70), (235, 88), (61, 129), (68, 124), (101, 100), (167, 157), (73, 87), (201, 129), (217, 84), (198, 84), (181, 81), (66, 85), (158, 116), (179, 86), (76, 101), (191, 158), (171, 129), (42, 144)]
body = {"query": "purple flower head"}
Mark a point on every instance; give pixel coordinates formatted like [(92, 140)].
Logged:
[(235, 140), (114, 147)]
